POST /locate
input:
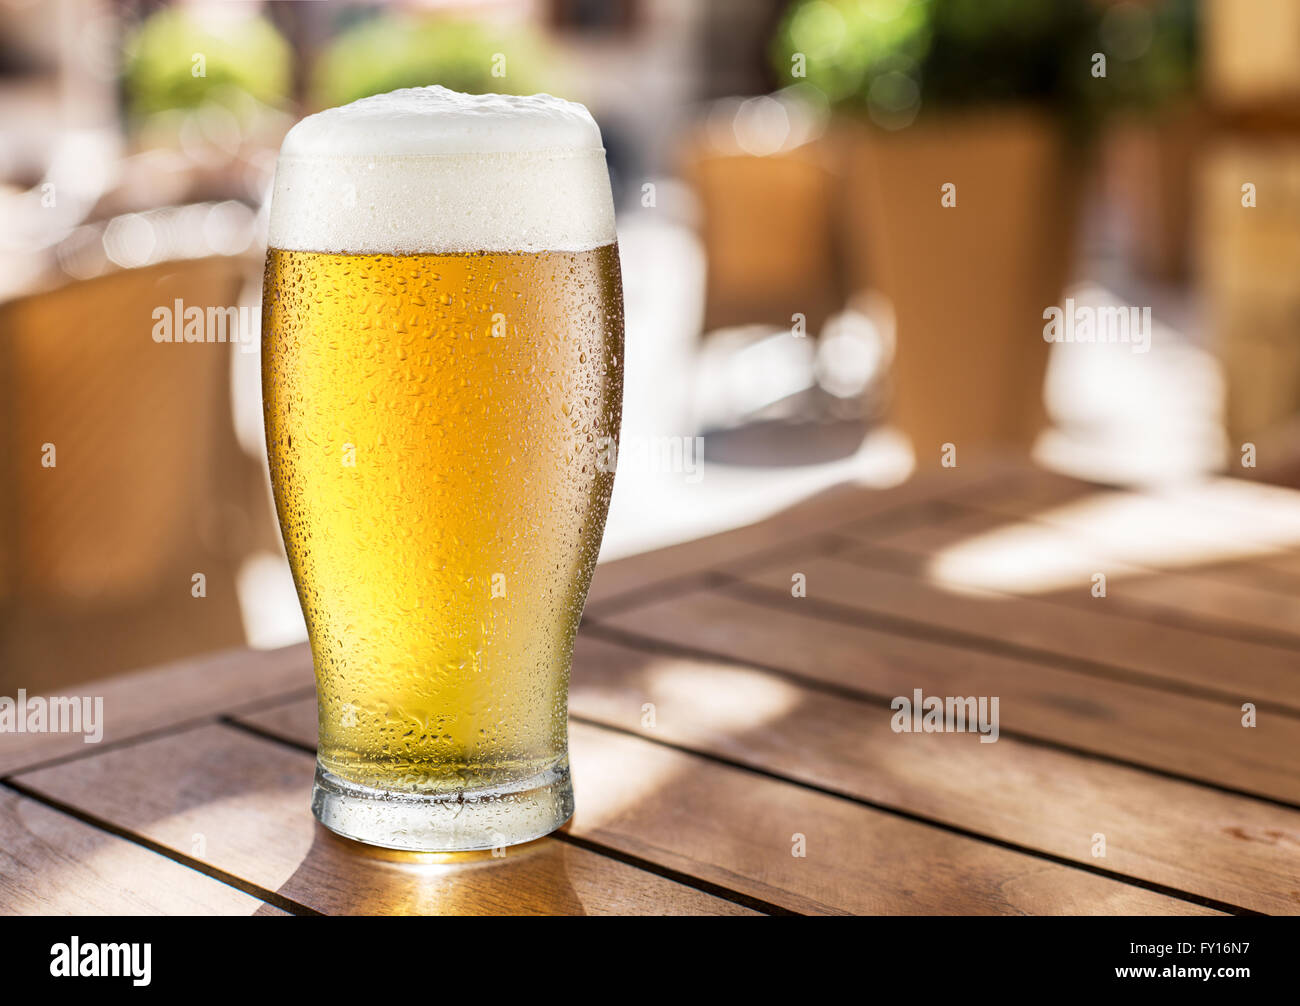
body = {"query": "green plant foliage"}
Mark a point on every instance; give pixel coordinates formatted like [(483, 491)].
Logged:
[(893, 58), (847, 44), (1156, 52), (242, 56), (390, 51)]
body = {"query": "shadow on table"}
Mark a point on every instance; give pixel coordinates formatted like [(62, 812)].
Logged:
[(531, 879)]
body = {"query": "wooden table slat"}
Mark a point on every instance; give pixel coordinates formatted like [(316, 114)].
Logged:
[(1181, 734), (239, 803), (1224, 847), (769, 717), (160, 698), (54, 864), (627, 581), (979, 550), (738, 829), (1208, 523), (1049, 632)]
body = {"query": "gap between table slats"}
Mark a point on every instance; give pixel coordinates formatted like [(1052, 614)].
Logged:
[(734, 826)]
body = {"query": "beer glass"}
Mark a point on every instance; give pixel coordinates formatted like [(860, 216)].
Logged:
[(442, 356)]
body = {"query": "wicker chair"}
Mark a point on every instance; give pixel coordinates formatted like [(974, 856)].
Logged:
[(149, 484)]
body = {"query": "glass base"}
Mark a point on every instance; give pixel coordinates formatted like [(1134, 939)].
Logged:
[(460, 822)]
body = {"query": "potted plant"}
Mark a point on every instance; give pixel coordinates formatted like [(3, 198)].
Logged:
[(962, 122)]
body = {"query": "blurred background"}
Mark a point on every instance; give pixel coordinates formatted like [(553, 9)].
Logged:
[(840, 221)]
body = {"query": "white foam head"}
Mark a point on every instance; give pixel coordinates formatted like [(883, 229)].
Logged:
[(426, 169)]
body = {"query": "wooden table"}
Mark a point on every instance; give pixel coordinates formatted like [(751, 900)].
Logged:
[(732, 742)]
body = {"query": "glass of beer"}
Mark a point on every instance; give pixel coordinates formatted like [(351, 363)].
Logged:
[(442, 351)]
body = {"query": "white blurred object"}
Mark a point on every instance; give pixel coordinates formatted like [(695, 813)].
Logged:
[(663, 296), (761, 126), (268, 602), (84, 166), (851, 353), (1132, 418), (663, 285), (745, 369), (652, 510), (769, 123)]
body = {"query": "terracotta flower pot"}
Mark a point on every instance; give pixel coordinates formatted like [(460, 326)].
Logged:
[(1152, 169), (1249, 257), (767, 223), (968, 283)]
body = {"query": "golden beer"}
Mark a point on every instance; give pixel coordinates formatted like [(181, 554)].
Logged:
[(436, 423)]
